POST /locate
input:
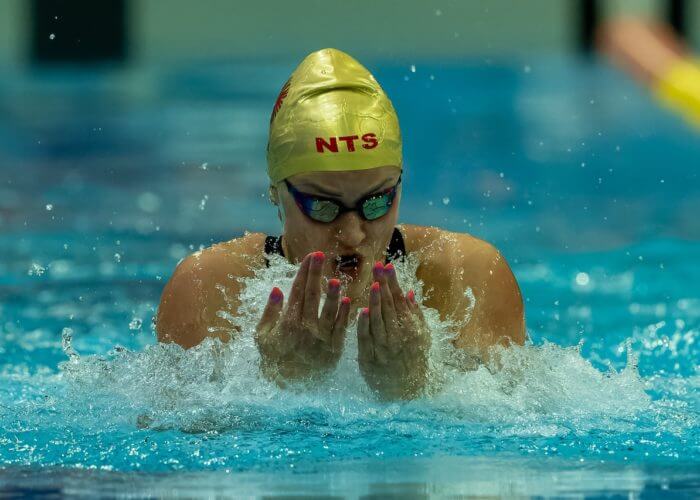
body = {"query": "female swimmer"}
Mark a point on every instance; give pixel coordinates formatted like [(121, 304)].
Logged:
[(335, 162)]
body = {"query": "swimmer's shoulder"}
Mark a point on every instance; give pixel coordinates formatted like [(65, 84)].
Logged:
[(451, 262), (442, 255), (238, 256), (204, 284), (441, 249)]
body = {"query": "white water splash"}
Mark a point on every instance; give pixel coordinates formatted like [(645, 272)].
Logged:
[(531, 390)]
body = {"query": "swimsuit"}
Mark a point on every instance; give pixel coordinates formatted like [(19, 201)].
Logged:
[(395, 250)]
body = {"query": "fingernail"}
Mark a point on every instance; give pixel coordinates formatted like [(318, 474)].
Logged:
[(411, 295), (365, 311), (375, 287), (276, 295), (378, 268), (318, 257), (334, 284), (346, 301), (389, 268)]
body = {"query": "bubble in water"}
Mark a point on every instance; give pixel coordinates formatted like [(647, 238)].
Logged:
[(117, 258), (52, 36), (527, 69), (413, 68), (204, 165), (445, 201), (438, 12), (49, 207), (203, 202), (135, 324)]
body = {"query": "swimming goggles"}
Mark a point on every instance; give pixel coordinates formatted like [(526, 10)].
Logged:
[(321, 209)]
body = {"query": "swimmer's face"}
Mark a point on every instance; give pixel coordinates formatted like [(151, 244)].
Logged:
[(349, 235)]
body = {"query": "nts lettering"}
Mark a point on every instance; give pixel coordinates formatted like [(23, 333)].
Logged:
[(369, 142)]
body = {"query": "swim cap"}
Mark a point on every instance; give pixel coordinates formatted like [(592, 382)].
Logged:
[(331, 115), (679, 88)]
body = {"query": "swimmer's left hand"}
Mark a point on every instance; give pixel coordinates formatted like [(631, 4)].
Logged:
[(393, 339)]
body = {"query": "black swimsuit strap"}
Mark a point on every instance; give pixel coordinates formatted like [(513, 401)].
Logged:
[(394, 251)]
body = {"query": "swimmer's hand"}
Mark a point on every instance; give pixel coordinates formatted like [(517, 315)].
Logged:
[(393, 339), (294, 343)]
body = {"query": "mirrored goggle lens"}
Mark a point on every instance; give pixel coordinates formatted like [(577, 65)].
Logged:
[(376, 207), (322, 210)]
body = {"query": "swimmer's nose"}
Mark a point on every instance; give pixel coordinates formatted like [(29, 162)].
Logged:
[(350, 230)]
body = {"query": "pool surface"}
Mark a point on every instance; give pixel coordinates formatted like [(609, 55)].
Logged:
[(109, 177)]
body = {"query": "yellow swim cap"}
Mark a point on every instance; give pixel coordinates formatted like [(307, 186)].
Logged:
[(679, 88), (331, 115)]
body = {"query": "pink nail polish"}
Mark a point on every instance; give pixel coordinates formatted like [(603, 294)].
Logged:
[(375, 287), (276, 295), (378, 268), (346, 301), (365, 311), (411, 296), (389, 268), (334, 284), (319, 256)]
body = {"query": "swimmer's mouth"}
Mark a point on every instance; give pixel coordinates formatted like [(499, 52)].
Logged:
[(348, 264)]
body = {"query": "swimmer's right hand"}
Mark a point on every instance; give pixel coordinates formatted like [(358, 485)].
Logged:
[(294, 342)]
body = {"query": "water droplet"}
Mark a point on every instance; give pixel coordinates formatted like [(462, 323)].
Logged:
[(148, 202), (67, 343), (36, 270)]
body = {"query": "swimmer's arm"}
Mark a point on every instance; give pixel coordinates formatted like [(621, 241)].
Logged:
[(484, 297), (200, 299)]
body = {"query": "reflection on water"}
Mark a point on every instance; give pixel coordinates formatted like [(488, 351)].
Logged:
[(421, 477)]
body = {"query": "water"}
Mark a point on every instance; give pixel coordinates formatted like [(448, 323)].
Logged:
[(591, 191)]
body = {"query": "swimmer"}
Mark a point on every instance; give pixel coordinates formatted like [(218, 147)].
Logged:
[(653, 54), (335, 167)]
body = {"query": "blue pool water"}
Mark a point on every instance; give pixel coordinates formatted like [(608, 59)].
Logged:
[(108, 178)]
